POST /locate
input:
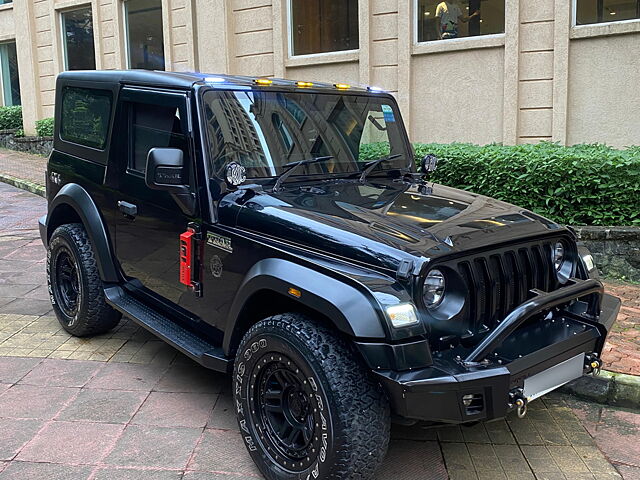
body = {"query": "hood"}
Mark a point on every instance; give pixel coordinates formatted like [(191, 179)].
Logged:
[(386, 221)]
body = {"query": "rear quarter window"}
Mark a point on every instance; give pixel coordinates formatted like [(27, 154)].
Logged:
[(85, 116)]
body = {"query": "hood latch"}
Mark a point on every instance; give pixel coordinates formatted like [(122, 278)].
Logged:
[(404, 270)]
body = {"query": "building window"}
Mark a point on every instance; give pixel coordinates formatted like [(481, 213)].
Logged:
[(3, 2), (77, 31), (86, 114), (10, 81), (443, 20), (145, 41), (319, 26), (601, 11)]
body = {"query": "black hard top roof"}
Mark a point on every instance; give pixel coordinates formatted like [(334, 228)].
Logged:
[(182, 80)]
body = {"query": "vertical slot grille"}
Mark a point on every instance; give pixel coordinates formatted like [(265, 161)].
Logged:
[(499, 282)]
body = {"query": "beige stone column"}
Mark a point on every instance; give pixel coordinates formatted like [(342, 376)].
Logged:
[(211, 20), (251, 37), (27, 64), (535, 88), (405, 44), (109, 30), (180, 50), (562, 14), (511, 72), (384, 43)]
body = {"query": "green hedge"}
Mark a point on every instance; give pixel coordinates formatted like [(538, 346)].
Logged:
[(44, 127), (10, 117), (579, 185)]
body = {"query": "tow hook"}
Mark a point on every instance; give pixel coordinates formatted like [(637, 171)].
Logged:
[(518, 401), (593, 364)]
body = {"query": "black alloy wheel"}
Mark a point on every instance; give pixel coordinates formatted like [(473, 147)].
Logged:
[(67, 282), (285, 412)]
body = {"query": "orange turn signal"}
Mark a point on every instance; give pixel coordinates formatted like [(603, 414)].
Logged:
[(295, 292)]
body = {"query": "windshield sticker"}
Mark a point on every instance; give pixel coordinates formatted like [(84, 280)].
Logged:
[(389, 117)]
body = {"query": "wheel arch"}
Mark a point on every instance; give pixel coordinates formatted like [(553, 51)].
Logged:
[(73, 204), (266, 289)]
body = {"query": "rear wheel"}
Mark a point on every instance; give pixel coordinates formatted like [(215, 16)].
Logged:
[(306, 407), (75, 287)]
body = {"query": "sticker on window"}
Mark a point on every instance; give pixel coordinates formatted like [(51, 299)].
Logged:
[(388, 114)]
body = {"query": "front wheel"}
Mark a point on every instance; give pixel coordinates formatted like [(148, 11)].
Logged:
[(306, 406)]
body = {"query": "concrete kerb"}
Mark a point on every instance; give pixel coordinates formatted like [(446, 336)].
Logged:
[(23, 184), (609, 388)]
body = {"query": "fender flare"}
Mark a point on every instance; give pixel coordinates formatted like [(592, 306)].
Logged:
[(76, 197), (347, 307)]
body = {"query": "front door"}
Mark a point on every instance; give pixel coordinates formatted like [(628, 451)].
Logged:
[(149, 222)]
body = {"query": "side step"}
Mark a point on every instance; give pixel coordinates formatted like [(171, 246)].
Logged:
[(200, 350)]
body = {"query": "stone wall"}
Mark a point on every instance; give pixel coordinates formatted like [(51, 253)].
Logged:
[(616, 250), (7, 138), (36, 145)]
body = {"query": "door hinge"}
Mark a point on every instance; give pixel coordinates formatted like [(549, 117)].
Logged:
[(191, 251)]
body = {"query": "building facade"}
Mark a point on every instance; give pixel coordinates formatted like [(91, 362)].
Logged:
[(511, 71)]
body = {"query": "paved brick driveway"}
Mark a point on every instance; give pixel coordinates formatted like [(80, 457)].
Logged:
[(125, 405)]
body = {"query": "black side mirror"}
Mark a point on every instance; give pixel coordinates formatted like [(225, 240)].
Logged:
[(429, 163), (166, 171)]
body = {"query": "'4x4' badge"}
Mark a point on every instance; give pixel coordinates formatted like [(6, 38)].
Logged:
[(223, 243)]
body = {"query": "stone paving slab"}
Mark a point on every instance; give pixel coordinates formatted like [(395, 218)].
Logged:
[(622, 351), (23, 165), (117, 432)]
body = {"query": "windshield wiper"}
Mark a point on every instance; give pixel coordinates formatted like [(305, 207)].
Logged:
[(292, 166), (369, 166)]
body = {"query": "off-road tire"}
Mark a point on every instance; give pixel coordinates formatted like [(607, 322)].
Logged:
[(92, 315), (355, 436)]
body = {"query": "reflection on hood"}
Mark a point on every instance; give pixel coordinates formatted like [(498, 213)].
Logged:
[(387, 221)]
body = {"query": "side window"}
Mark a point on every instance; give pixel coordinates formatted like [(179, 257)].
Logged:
[(374, 142), (154, 126), (85, 116)]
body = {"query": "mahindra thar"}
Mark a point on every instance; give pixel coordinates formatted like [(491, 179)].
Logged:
[(281, 232)]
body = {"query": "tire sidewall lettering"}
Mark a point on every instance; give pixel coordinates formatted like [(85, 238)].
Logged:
[(241, 388)]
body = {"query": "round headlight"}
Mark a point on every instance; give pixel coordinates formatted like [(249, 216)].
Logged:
[(434, 286), (558, 256), (563, 262)]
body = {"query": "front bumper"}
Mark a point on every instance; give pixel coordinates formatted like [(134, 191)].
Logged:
[(543, 332), (42, 226)]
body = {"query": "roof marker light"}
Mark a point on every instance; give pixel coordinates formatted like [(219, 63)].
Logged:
[(215, 80), (375, 89), (263, 81), (342, 86), (304, 84)]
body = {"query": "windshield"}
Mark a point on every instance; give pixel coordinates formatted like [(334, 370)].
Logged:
[(265, 130)]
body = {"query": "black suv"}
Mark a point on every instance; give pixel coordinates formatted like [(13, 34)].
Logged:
[(279, 231)]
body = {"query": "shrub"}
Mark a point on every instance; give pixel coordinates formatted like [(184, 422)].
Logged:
[(44, 127), (10, 117), (579, 185)]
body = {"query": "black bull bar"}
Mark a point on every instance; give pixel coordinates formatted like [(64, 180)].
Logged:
[(543, 301)]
